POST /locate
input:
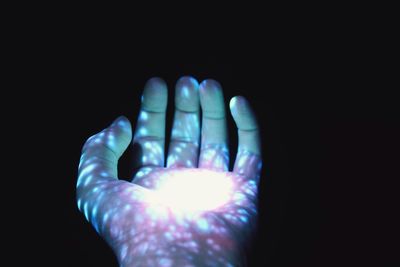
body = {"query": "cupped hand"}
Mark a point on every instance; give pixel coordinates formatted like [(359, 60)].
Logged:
[(190, 210)]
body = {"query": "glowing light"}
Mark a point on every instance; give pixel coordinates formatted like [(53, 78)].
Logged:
[(85, 171), (86, 210), (195, 190), (142, 131), (165, 262), (185, 91), (143, 116), (79, 204), (232, 103), (124, 251), (202, 224)]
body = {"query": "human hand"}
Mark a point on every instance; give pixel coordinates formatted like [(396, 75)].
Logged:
[(190, 211)]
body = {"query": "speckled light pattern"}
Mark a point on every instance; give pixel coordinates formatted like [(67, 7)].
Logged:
[(187, 210)]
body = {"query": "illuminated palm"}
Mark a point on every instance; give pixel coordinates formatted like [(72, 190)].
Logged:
[(190, 210)]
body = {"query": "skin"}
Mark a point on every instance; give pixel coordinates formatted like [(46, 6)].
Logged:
[(187, 210)]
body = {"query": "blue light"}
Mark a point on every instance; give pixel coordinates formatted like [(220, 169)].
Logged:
[(185, 91), (143, 116), (86, 210), (203, 224), (243, 219), (79, 204), (143, 132), (169, 236)]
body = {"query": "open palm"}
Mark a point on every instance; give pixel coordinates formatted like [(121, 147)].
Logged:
[(189, 211)]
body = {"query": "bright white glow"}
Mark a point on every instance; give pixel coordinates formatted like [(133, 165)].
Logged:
[(191, 190)]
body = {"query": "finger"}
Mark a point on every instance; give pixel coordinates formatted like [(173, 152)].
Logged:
[(100, 154), (248, 158), (150, 129), (214, 149), (184, 145), (149, 137)]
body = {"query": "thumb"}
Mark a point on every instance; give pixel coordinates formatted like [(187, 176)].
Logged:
[(119, 135), (101, 152)]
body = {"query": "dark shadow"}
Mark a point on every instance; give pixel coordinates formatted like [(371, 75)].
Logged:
[(129, 163)]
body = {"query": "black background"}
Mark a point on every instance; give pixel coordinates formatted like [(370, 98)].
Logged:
[(321, 93)]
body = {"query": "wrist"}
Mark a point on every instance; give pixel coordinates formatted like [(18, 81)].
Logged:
[(179, 259), (178, 253)]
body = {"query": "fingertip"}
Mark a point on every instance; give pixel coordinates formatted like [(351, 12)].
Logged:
[(122, 122), (122, 128), (155, 95), (189, 81), (239, 105), (209, 85), (186, 94), (155, 81), (212, 99), (242, 113), (238, 102), (233, 103), (155, 86)]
